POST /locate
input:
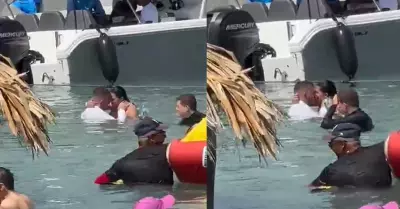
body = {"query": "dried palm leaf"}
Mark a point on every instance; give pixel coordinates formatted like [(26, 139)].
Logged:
[(250, 114), (26, 115)]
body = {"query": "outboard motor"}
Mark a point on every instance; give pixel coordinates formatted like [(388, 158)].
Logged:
[(107, 54), (236, 31), (14, 41), (14, 44), (345, 50)]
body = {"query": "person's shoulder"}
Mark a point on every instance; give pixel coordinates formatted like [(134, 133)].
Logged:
[(17, 201), (25, 202), (302, 111), (152, 6), (293, 107)]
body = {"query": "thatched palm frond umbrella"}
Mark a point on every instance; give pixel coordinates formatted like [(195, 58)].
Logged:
[(251, 115), (26, 115)]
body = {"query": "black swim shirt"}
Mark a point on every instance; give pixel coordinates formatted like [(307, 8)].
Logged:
[(357, 117), (366, 167), (144, 165), (195, 118), (192, 119)]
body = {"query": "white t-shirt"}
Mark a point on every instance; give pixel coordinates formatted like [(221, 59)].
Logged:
[(322, 111), (95, 114), (149, 13), (301, 111)]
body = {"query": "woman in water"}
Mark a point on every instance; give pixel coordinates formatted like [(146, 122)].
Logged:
[(124, 109), (325, 91)]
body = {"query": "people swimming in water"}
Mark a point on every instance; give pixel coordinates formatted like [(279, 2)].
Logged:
[(355, 166), (304, 101), (146, 164), (98, 108), (325, 91), (122, 107), (186, 109), (8, 197), (348, 105)]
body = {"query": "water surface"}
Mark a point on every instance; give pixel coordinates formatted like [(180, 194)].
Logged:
[(80, 152), (243, 183)]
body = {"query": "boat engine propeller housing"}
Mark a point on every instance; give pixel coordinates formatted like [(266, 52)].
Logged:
[(14, 44), (236, 31)]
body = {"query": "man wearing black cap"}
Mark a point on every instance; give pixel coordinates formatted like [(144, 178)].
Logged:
[(356, 166), (148, 163), (347, 105)]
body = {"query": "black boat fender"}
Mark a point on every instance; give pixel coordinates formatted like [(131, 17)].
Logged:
[(107, 54), (345, 50)]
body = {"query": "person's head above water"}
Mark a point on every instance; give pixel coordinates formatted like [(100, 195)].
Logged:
[(326, 89), (6, 181), (186, 105), (150, 132), (305, 90), (119, 95), (344, 139), (348, 101), (389, 205), (101, 97)]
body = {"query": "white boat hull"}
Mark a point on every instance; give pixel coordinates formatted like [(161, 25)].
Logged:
[(310, 53), (170, 53)]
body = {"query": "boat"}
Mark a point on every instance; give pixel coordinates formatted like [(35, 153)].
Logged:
[(165, 53), (285, 42)]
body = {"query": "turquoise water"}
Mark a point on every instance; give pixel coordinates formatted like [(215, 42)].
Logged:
[(243, 183), (80, 152)]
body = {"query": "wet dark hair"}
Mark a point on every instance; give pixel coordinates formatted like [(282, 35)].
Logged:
[(349, 96), (7, 178), (120, 93), (188, 100), (302, 85), (328, 87)]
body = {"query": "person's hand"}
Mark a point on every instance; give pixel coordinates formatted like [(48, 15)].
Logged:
[(90, 104), (123, 105), (295, 99), (335, 100)]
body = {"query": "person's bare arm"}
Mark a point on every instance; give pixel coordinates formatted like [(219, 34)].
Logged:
[(25, 203), (131, 112)]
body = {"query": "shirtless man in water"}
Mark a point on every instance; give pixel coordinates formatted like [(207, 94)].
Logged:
[(8, 197)]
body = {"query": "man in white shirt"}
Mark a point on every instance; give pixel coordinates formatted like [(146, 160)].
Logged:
[(97, 109), (304, 110), (149, 13)]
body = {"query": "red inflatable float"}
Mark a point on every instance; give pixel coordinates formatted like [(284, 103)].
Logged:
[(392, 152), (188, 161)]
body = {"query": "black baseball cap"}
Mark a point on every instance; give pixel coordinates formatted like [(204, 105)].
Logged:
[(148, 126), (347, 132)]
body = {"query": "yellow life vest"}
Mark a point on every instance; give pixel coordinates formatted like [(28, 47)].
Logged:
[(198, 132)]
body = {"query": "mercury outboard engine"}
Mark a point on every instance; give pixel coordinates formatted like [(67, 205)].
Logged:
[(14, 44), (236, 31)]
